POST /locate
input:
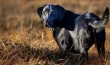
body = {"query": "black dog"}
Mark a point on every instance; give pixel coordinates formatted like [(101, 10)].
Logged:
[(74, 30)]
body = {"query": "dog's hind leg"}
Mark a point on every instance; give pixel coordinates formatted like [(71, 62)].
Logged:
[(100, 44), (101, 53)]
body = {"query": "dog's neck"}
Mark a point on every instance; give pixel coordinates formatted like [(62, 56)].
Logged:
[(66, 22)]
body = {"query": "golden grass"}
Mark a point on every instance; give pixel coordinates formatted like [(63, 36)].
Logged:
[(35, 48), (24, 41)]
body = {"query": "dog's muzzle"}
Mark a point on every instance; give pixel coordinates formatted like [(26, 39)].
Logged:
[(46, 24)]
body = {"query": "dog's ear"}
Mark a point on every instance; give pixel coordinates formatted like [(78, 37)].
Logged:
[(61, 11), (39, 11), (102, 22)]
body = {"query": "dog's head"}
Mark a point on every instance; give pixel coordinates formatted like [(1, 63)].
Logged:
[(51, 13)]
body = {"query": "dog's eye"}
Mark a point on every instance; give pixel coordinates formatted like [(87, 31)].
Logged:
[(52, 12)]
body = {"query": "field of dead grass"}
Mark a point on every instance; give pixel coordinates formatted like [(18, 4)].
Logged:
[(24, 40)]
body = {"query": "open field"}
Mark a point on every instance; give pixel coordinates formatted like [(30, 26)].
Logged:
[(24, 40)]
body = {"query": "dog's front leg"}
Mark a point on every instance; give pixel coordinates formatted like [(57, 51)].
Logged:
[(83, 59)]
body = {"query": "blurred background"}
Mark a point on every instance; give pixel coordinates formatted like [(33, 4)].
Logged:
[(16, 13), (21, 29)]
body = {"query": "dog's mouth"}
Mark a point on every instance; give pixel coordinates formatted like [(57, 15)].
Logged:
[(46, 24)]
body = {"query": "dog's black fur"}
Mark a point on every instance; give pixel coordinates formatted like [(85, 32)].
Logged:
[(67, 23)]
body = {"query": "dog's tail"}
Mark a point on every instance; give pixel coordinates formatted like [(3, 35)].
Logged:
[(103, 21), (105, 16)]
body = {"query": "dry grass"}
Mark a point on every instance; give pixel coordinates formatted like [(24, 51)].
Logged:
[(24, 41)]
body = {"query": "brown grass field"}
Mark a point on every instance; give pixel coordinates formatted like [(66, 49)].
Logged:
[(24, 40)]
